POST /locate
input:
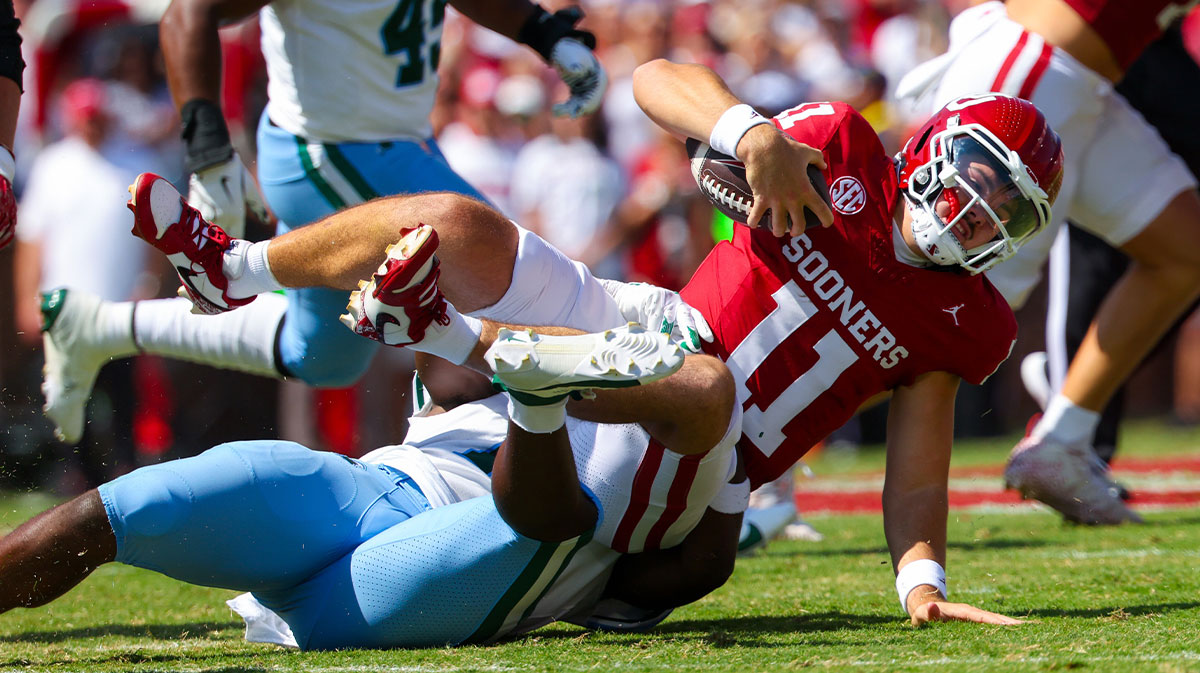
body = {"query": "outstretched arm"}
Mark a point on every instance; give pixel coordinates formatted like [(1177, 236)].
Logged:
[(915, 504), (191, 47), (555, 38), (220, 186), (690, 101)]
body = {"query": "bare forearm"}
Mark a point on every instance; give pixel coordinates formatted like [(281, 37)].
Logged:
[(10, 100), (192, 48), (915, 525), (683, 98)]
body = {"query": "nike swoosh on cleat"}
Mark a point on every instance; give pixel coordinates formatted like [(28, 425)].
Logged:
[(186, 275)]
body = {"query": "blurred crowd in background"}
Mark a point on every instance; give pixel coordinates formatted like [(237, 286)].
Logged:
[(610, 190)]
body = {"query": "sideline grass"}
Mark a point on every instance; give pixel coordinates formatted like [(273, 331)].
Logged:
[(1125, 599)]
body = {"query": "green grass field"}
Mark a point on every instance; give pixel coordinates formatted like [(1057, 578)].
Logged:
[(1101, 599)]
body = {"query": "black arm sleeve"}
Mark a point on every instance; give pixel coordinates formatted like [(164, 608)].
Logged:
[(12, 65)]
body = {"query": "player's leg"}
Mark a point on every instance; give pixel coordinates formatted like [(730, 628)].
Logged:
[(266, 337), (1123, 202), (1162, 282), (402, 304), (81, 333), (305, 182), (54, 551), (1077, 287), (261, 515)]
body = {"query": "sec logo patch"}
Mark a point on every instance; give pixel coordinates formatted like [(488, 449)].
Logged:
[(848, 195)]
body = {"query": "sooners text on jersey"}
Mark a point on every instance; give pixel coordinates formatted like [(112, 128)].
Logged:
[(813, 326)]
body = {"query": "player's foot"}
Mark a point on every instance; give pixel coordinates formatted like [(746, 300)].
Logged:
[(402, 299), (760, 526), (799, 529), (617, 616), (1066, 478), (74, 352), (195, 247), (538, 369)]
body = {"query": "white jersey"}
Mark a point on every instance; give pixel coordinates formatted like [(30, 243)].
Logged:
[(650, 497), (352, 70)]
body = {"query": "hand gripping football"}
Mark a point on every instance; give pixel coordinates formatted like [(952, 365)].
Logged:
[(722, 179)]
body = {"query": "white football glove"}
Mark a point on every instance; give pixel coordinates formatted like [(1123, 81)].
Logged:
[(223, 192), (656, 307), (585, 77)]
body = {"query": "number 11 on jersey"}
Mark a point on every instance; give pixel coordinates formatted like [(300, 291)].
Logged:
[(764, 426)]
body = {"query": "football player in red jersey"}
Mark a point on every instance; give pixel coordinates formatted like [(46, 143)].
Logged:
[(886, 296), (1126, 186)]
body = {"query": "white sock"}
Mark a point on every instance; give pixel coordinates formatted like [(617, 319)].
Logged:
[(541, 419), (243, 339), (453, 342), (114, 328), (249, 273), (1067, 422)]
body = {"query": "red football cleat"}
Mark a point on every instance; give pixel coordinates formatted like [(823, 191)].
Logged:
[(402, 298), (8, 213), (195, 247)]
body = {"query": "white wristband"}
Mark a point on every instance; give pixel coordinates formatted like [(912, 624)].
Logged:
[(916, 573), (732, 498), (732, 125), (8, 164)]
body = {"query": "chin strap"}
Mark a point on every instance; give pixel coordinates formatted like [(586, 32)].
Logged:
[(943, 248)]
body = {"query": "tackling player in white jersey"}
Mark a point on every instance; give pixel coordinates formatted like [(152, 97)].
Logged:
[(393, 550), (387, 544)]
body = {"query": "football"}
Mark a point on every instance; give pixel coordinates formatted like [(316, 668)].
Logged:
[(722, 179)]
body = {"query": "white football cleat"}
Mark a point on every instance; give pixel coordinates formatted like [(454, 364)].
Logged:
[(193, 245), (543, 369), (74, 354), (801, 530), (760, 526), (1066, 478)]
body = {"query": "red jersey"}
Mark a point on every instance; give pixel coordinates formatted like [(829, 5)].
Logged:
[(813, 326), (1129, 26)]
